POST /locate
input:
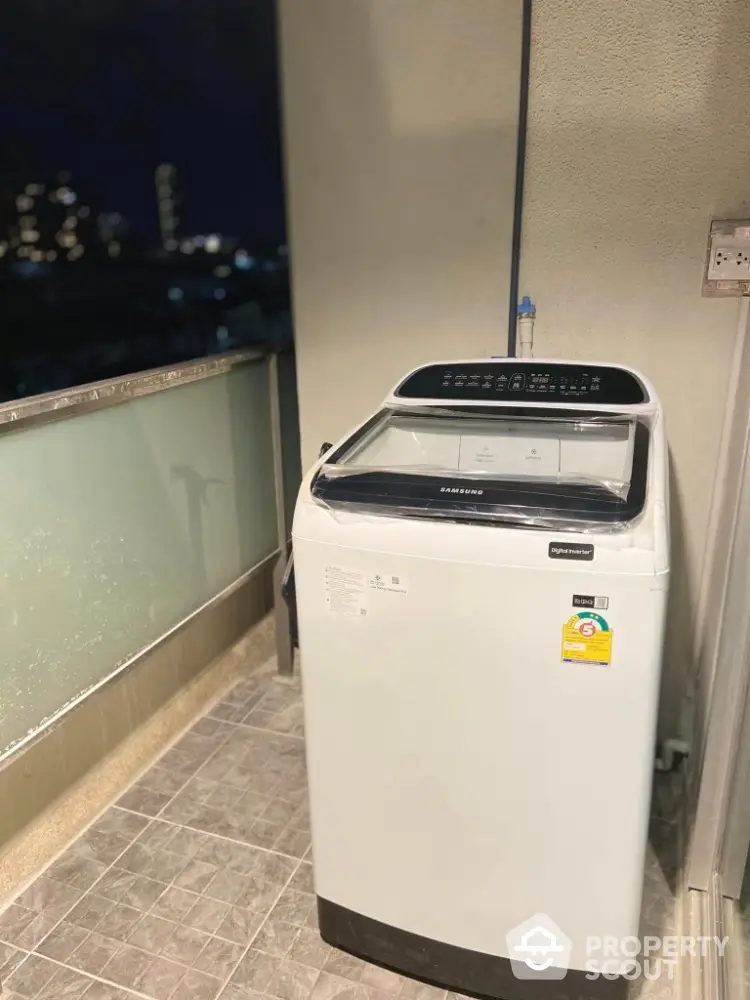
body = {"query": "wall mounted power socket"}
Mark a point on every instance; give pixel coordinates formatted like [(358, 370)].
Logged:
[(727, 268)]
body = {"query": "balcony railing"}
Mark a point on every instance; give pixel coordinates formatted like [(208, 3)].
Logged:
[(125, 507)]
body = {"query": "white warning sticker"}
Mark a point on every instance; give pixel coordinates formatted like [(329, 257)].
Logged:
[(388, 583), (346, 591)]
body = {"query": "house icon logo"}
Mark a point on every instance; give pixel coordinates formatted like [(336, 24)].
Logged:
[(538, 949)]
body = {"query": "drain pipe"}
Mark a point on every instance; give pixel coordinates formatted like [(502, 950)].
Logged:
[(523, 116)]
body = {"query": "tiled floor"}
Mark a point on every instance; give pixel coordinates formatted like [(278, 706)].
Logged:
[(196, 885)]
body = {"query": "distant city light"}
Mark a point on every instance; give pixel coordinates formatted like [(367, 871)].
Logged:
[(37, 256), (66, 239), (269, 265), (113, 248), (51, 255), (170, 244), (76, 252), (3, 248), (70, 222), (175, 294), (213, 243), (222, 334), (84, 212), (70, 198), (34, 189), (24, 203), (243, 261), (220, 293), (23, 251), (30, 235), (27, 221), (222, 271), (187, 246)]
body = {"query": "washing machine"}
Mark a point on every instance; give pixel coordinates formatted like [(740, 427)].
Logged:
[(481, 571)]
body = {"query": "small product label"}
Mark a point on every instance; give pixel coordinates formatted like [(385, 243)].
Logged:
[(587, 601), (387, 583), (587, 638), (571, 550), (345, 591)]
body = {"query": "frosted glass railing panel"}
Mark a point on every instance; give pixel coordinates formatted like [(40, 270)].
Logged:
[(116, 524)]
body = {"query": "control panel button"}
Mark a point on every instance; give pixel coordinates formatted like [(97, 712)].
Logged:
[(517, 382)]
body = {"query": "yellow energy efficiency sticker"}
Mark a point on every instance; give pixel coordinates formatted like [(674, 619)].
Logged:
[(587, 638)]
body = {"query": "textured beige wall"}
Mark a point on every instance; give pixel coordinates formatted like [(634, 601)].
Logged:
[(400, 121), (638, 136)]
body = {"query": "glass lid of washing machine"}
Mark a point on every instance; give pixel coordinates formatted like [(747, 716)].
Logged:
[(552, 471)]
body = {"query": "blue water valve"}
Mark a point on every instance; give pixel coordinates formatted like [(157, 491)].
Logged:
[(526, 307)]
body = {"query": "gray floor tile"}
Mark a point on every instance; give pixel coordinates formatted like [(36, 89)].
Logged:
[(152, 933), (213, 729), (161, 978), (159, 865), (207, 915), (119, 922), (330, 987), (46, 892), (94, 954), (116, 820), (303, 878), (10, 959), (197, 986), (255, 971), (197, 876), (102, 847), (240, 925), (276, 937), (66, 984), (127, 967), (219, 958), (343, 966), (78, 873), (30, 978), (295, 907), (26, 928), (310, 949), (141, 799), (113, 884), (185, 945), (157, 836), (175, 904), (103, 991), (292, 981), (61, 942), (143, 892), (162, 780)]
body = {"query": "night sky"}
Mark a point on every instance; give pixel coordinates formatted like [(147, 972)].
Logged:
[(108, 89)]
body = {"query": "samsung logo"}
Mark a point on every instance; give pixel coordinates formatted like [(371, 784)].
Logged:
[(457, 489)]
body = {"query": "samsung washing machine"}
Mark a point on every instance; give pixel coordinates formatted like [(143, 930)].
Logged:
[(482, 570)]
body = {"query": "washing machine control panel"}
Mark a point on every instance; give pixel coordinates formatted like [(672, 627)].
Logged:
[(529, 383)]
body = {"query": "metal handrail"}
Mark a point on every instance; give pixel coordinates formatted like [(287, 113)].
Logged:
[(19, 414)]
